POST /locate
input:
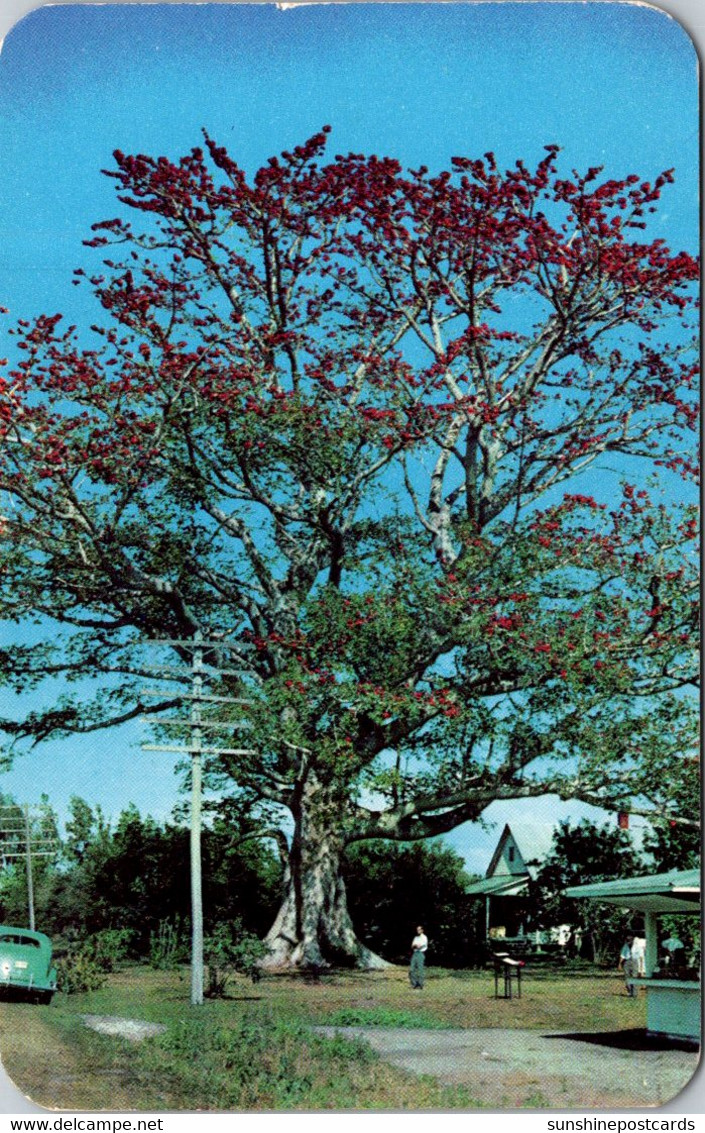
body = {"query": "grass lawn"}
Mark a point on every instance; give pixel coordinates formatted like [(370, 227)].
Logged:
[(254, 1051)]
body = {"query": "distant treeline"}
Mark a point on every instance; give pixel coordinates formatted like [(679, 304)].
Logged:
[(133, 875)]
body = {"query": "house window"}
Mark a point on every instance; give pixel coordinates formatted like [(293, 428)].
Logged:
[(511, 853)]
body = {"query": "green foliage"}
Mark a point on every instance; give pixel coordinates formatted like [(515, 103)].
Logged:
[(85, 829), (580, 854), (13, 877), (78, 971), (257, 1062), (672, 844), (688, 930), (391, 889), (229, 949), (109, 947), (166, 946), (123, 886)]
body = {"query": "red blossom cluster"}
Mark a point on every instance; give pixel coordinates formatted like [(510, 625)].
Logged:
[(279, 341), (281, 305)]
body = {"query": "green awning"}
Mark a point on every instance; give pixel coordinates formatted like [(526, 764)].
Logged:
[(507, 883), (674, 892)]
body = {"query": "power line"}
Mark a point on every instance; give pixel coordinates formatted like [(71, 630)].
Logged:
[(27, 844)]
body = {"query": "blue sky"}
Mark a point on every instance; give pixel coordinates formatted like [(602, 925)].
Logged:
[(613, 84)]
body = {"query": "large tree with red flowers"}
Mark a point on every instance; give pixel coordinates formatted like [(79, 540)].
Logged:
[(414, 447)]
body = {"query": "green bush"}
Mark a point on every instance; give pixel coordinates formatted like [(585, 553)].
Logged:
[(109, 947), (229, 949), (77, 972), (166, 946)]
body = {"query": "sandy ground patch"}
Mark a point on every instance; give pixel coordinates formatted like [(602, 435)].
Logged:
[(511, 1069), (133, 1029)]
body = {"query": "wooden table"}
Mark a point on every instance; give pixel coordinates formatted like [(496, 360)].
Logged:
[(509, 971)]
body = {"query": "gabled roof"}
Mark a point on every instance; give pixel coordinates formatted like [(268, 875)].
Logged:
[(675, 892), (507, 872), (502, 862)]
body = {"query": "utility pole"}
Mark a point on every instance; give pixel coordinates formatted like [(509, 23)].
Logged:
[(196, 750), (30, 879), (196, 795), (17, 841)]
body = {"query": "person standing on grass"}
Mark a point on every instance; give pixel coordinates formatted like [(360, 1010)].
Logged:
[(629, 965), (639, 955), (418, 958)]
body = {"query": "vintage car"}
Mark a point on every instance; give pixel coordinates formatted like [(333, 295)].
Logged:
[(25, 965)]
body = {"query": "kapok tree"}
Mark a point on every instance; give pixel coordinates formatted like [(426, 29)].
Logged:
[(387, 436)]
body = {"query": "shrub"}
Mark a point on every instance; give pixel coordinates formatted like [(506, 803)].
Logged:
[(109, 947), (166, 948), (77, 972), (229, 949)]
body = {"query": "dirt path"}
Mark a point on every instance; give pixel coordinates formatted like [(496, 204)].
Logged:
[(526, 1069)]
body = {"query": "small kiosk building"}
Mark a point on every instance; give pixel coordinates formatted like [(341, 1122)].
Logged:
[(673, 993)]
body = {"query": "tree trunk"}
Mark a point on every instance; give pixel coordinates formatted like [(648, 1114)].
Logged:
[(313, 928)]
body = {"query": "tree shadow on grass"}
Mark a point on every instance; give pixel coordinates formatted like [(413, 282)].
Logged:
[(234, 998), (636, 1038)]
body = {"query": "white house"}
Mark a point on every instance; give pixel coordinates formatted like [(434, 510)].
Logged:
[(504, 887)]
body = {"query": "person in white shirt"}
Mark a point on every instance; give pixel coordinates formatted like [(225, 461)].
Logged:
[(629, 966), (418, 958), (639, 955)]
